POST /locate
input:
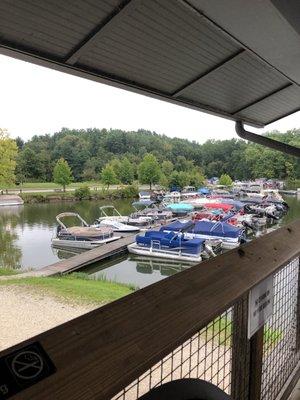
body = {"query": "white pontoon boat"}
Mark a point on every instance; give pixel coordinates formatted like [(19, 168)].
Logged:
[(82, 236)]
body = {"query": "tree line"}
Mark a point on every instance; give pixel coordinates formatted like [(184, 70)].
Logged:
[(120, 156)]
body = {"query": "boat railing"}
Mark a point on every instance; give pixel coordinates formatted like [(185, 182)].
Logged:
[(192, 324), (155, 244), (104, 214)]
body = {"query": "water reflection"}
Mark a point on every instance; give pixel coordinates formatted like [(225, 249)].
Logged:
[(136, 270), (26, 231), (10, 254)]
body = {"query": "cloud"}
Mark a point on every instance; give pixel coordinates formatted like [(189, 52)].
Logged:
[(38, 100)]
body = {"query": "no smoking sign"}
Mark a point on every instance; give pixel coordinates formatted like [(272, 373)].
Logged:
[(23, 368)]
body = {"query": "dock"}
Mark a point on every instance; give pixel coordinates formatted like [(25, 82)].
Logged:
[(79, 261), (289, 192), (10, 200)]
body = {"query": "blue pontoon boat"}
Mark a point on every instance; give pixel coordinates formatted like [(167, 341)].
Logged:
[(230, 235), (168, 245)]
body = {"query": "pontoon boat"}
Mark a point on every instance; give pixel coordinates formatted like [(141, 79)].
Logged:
[(83, 236)]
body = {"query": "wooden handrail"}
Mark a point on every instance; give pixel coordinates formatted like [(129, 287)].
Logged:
[(98, 354)]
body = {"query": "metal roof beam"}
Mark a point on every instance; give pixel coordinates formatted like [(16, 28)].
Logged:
[(93, 35), (179, 91), (265, 141)]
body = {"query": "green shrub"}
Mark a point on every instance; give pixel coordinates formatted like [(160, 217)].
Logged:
[(129, 191), (82, 193)]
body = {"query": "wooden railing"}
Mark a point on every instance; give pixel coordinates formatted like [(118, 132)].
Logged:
[(99, 354)]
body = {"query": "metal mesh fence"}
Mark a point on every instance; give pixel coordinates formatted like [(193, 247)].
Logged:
[(206, 355), (280, 353), (220, 352)]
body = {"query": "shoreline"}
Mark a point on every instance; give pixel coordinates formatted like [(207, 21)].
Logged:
[(126, 192)]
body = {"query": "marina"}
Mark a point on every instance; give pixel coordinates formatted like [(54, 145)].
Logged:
[(28, 230), (104, 193)]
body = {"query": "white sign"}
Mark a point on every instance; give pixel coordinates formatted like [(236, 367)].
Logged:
[(261, 302)]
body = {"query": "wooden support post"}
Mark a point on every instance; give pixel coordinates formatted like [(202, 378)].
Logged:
[(240, 351), (256, 357)]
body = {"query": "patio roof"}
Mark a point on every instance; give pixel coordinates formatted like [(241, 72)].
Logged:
[(237, 59)]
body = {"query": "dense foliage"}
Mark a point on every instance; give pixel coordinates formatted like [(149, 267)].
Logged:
[(62, 174), (89, 152), (8, 154)]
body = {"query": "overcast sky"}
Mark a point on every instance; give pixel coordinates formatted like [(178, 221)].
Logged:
[(38, 100)]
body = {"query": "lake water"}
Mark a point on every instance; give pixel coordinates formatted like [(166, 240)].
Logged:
[(26, 232)]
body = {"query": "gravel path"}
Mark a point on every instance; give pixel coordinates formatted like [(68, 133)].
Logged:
[(26, 312)]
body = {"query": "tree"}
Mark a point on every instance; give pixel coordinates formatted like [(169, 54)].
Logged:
[(174, 179), (117, 167), (164, 181), (74, 149), (225, 180), (149, 170), (8, 154), (183, 179), (108, 176), (126, 171), (196, 177), (62, 173), (167, 168)]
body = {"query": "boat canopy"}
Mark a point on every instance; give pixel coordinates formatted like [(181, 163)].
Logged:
[(225, 207), (204, 190), (222, 229), (143, 203), (170, 240), (236, 203), (178, 226), (180, 207)]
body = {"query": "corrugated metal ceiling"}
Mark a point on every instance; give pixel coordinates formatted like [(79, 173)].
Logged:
[(167, 49)]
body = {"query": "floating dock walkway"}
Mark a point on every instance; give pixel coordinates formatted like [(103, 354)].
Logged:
[(10, 200), (82, 260)]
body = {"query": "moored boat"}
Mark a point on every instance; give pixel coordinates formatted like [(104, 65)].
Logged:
[(81, 236), (230, 236), (150, 210), (110, 216), (117, 226), (10, 200), (180, 208), (169, 245)]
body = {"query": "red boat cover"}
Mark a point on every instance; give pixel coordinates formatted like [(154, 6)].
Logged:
[(220, 206)]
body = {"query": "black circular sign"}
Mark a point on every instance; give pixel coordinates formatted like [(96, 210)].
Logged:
[(27, 365)]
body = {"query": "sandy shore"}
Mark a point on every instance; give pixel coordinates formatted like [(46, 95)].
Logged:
[(26, 312)]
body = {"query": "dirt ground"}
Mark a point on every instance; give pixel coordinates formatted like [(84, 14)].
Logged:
[(25, 313)]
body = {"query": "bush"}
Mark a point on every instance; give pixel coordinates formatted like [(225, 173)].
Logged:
[(82, 193), (128, 191)]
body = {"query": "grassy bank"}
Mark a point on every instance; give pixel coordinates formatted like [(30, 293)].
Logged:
[(51, 185), (76, 287), (293, 185), (47, 197), (7, 271)]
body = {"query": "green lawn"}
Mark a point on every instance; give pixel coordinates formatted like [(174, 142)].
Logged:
[(7, 271), (51, 185), (76, 286)]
